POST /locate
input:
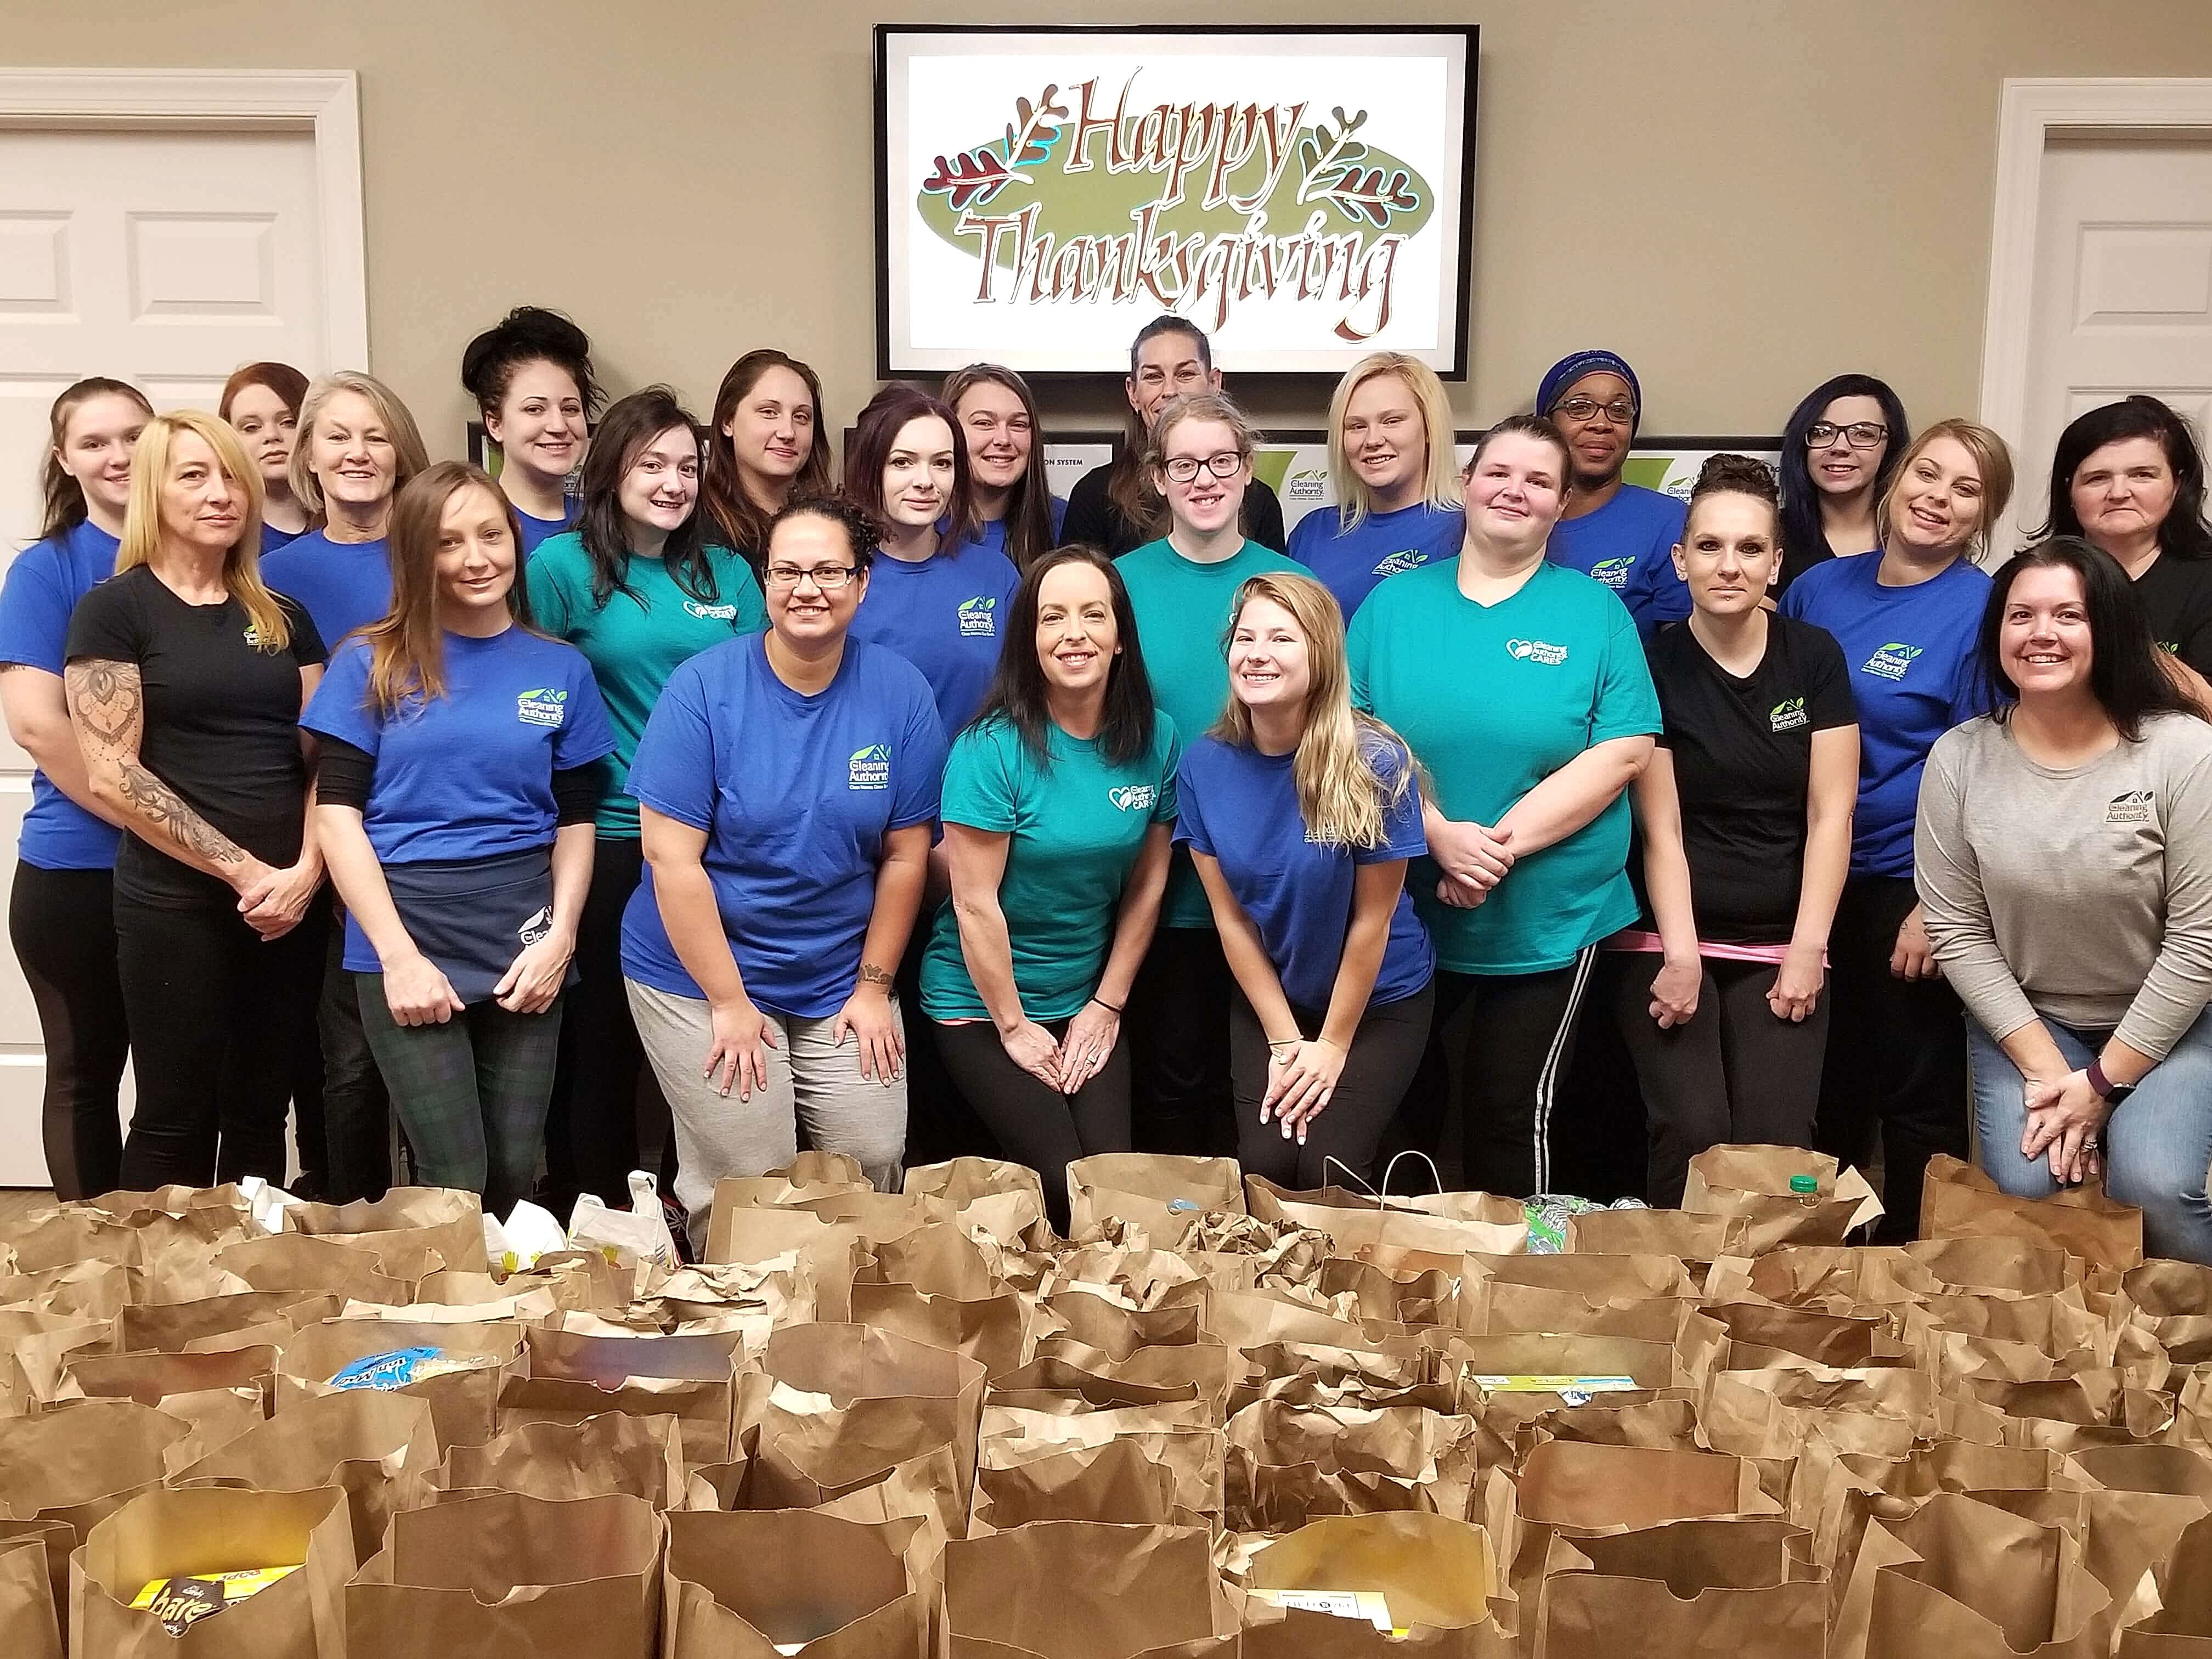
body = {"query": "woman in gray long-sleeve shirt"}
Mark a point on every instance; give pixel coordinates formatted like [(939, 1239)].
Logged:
[(2063, 854)]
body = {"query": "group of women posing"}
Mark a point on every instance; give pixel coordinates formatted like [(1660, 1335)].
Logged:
[(657, 783)]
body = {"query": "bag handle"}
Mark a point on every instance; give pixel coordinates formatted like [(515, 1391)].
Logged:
[(1382, 1198)]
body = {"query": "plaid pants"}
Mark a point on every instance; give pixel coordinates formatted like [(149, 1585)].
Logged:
[(470, 1093)]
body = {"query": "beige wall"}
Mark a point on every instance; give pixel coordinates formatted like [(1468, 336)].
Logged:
[(1743, 195)]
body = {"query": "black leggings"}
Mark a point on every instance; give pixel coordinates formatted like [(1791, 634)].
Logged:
[(200, 986), (604, 1093), (357, 1108), (1178, 1025), (1733, 1074), (62, 925), (1385, 1054), (1897, 1055), (1036, 1124)]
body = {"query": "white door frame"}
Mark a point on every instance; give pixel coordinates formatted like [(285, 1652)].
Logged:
[(325, 104), (2030, 114)]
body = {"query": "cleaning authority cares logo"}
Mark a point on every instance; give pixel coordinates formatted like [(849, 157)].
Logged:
[(869, 768), (1536, 651), (1134, 796), (1892, 660)]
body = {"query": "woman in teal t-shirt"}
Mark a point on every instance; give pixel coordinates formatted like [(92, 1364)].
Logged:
[(1521, 686), (1182, 590), (1057, 803), (639, 588)]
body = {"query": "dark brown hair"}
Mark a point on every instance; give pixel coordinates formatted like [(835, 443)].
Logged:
[(64, 507), (1018, 689), (628, 427), (406, 645), (528, 334), (874, 435), (746, 524), (1129, 483)]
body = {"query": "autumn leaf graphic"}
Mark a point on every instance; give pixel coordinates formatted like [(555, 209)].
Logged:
[(974, 178)]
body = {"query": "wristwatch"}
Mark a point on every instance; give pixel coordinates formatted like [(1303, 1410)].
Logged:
[(2104, 1088)]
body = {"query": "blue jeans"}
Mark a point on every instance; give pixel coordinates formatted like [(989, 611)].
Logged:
[(2158, 1143)]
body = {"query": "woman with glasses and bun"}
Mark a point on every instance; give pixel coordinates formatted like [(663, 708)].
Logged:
[(641, 585), (2129, 479), (1839, 452), (1745, 820), (786, 786), (531, 374)]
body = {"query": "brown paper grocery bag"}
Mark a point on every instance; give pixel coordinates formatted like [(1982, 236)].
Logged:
[(1752, 1184), (59, 1237), (2170, 1615), (1395, 1232), (1076, 1589), (993, 1330), (464, 1404), (212, 1529), (83, 1462), (2175, 1298), (878, 1399), (1960, 1201), (517, 1576), (752, 1584), (1595, 1488), (89, 1290), (1983, 1581), (367, 1443), (1163, 1194), (810, 1175), (1747, 1588), (570, 1376), (175, 1326), (306, 1266), (1004, 1201), (640, 1457), (1116, 1482), (32, 1602), (1433, 1574), (406, 1227), (1657, 1232), (150, 1378)]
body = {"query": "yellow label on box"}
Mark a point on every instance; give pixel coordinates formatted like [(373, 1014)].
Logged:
[(182, 1601)]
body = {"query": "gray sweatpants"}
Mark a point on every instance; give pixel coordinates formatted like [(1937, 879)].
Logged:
[(810, 1081)]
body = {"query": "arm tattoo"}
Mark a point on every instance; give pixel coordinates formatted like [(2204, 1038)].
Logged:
[(165, 808), (107, 703), (872, 975)]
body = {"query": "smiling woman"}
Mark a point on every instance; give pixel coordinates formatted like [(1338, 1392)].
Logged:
[(531, 377)]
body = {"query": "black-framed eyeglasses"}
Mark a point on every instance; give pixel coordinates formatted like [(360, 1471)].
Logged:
[(827, 577), (1222, 464), (1621, 412), (1859, 435)]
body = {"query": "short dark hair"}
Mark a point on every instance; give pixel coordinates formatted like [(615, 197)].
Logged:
[(528, 334), (1168, 322), (628, 427), (1539, 427), (2126, 676), (2185, 534), (1018, 688), (287, 382), (1804, 539), (877, 431)]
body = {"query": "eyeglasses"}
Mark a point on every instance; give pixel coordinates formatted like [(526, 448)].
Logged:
[(1224, 465), (1859, 435), (827, 577), (1621, 412)]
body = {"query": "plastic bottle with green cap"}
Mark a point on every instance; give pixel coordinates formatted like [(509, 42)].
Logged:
[(1804, 1186)]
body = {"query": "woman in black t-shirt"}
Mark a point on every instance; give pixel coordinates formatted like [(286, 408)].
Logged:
[(2129, 479), (185, 678), (1745, 821)]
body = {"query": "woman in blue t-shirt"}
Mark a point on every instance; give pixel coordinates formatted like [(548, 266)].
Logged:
[(261, 402), (1906, 619), (1011, 508), (640, 586), (61, 911), (1393, 468), (463, 884), (787, 784), (1057, 803), (531, 374), (1300, 816)]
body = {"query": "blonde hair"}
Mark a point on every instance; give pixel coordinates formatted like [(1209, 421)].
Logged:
[(409, 456), (1440, 486), (1342, 796), (241, 565), (1992, 460), (1197, 406)]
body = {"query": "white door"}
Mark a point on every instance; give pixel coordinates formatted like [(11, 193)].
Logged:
[(167, 259), (2123, 295)]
